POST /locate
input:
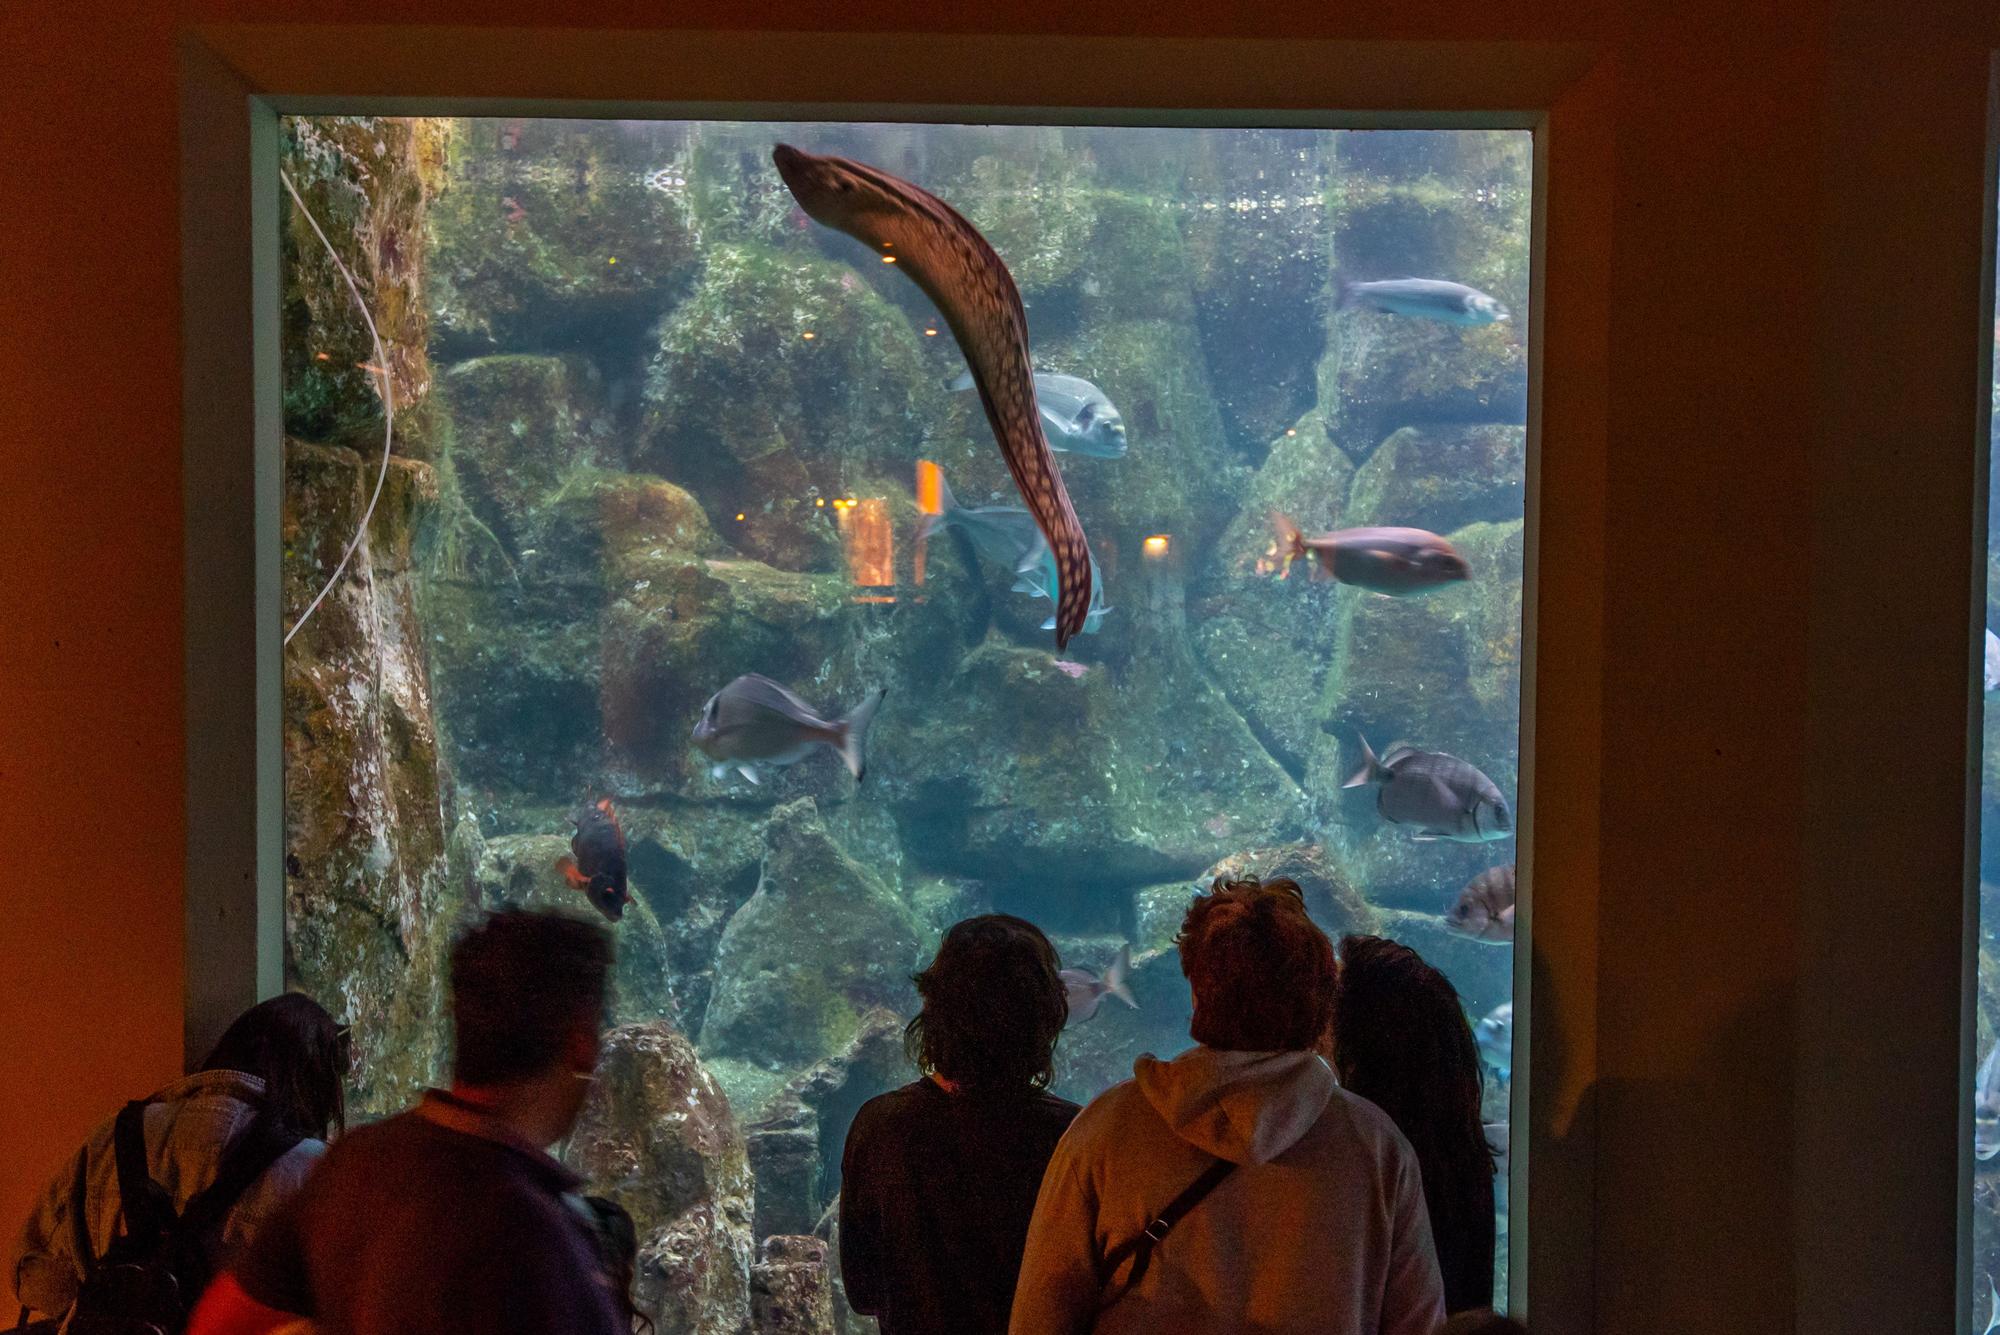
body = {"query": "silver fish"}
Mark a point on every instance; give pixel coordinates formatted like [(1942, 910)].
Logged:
[(948, 258), (1443, 796), (1036, 574), (1425, 298), (1087, 991), (1986, 1106), (1495, 1036), (1007, 536), (1992, 661), (1393, 561), (1992, 1307), (1484, 910), (1077, 418), (754, 721)]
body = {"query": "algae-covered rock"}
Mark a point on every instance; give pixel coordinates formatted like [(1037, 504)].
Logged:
[(555, 232), (791, 1292), (369, 183), (1443, 478), (1082, 785), (521, 870), (781, 380), (845, 1318), (657, 1136), (369, 896), (821, 943)]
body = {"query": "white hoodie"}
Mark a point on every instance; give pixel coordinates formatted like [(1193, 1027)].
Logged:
[(1321, 1228)]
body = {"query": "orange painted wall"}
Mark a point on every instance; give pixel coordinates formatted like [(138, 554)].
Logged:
[(1724, 480)]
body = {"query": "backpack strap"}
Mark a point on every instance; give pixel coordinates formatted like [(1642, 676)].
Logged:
[(148, 1210), (262, 1144), (1139, 1249)]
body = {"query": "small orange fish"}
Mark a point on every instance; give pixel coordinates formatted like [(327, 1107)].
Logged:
[(595, 863)]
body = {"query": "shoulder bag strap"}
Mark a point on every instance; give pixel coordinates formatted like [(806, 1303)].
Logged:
[(139, 1198), (1139, 1249)]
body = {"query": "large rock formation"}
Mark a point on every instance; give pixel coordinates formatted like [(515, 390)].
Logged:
[(657, 1136), (791, 1293)]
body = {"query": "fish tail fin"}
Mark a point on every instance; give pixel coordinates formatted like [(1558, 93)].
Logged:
[(961, 382), (1291, 542), (1371, 768), (571, 872), (1114, 977), (854, 733), (1343, 292)]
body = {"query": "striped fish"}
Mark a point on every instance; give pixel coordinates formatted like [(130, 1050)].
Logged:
[(960, 272)]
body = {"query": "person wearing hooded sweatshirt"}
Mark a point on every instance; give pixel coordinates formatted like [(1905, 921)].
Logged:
[(1318, 1225)]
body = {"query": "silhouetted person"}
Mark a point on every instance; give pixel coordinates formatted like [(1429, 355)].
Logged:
[(939, 1177), (275, 1075), (452, 1217), (1401, 1041), (1292, 1205)]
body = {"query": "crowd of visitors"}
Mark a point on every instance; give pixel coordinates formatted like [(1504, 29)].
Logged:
[(1314, 1163)]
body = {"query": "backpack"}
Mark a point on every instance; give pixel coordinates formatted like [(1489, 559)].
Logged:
[(149, 1278)]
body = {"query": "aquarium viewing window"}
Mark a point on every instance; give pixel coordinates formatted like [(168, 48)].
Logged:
[(586, 422), (1984, 1271)]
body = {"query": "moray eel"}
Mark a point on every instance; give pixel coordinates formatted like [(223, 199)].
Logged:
[(959, 271)]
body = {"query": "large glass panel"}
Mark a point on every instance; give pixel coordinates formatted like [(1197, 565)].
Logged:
[(1986, 1086), (655, 430)]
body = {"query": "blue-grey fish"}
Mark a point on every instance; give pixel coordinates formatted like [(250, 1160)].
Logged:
[(1443, 796), (1036, 574), (1007, 536), (1992, 661), (1495, 1036), (1484, 910), (1425, 298), (1393, 561), (1086, 991), (956, 268), (1986, 1106), (754, 721), (1076, 416)]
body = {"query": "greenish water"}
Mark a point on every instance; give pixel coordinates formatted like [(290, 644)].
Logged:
[(655, 429)]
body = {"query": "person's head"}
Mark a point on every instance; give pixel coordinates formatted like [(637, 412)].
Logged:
[(528, 997), (1262, 972), (1482, 1321), (1402, 1042), (993, 1006), (299, 1052)]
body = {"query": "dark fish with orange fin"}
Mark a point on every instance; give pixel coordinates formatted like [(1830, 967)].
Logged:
[(595, 863), (948, 258), (1392, 561)]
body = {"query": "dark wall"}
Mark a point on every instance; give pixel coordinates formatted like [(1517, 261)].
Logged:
[(1757, 588)]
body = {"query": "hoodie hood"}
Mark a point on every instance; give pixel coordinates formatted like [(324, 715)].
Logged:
[(1246, 1107)]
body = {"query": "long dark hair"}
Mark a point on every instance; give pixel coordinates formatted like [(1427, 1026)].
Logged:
[(299, 1052), (1402, 1042), (993, 1006)]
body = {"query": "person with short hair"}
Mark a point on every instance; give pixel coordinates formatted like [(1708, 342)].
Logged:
[(1236, 1187), (452, 1216), (938, 1178), (1402, 1042), (283, 1061)]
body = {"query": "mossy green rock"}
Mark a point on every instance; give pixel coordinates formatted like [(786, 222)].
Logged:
[(369, 896), (779, 382), (819, 944), (657, 1136), (521, 870), (369, 183), (558, 231), (1443, 478)]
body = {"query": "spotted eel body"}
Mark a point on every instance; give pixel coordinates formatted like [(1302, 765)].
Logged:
[(961, 274)]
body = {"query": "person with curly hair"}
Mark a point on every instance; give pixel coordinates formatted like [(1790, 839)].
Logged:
[(938, 1178), (1236, 1187)]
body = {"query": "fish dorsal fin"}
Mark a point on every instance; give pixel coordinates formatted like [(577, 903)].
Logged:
[(1063, 395), (1399, 752), (757, 689)]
